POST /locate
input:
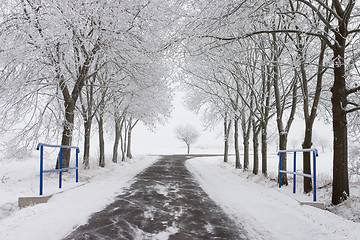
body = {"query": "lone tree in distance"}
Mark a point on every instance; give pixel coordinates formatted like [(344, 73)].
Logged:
[(188, 134)]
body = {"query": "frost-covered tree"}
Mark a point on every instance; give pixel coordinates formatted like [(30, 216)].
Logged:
[(211, 109), (188, 134), (221, 67), (339, 22), (57, 45), (335, 23), (52, 54)]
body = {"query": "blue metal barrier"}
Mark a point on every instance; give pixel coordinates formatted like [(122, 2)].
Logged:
[(313, 176), (40, 147)]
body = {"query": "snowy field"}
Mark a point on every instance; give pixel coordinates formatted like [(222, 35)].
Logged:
[(253, 201)]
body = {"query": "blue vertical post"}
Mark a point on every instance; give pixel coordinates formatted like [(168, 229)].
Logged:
[(60, 166), (294, 187), (41, 170), (314, 175), (77, 164), (280, 156)]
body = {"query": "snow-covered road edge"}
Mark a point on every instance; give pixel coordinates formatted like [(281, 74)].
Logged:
[(67, 210), (265, 212)]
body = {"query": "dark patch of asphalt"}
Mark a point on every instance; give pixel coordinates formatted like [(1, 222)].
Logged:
[(164, 202)]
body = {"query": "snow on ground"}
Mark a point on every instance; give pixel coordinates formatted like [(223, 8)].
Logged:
[(68, 207), (272, 213), (255, 201)]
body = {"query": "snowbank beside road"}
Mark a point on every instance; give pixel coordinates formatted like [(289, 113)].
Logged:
[(264, 210), (68, 209), (267, 212)]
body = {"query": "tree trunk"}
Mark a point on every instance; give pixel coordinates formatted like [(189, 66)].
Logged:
[(264, 148), (256, 147), (67, 135), (246, 133), (188, 148), (309, 115), (279, 106), (227, 127), (122, 144), (236, 136), (246, 123), (283, 132), (128, 151), (101, 142), (130, 129), (339, 102), (117, 139), (124, 141), (246, 152), (264, 121), (226, 150), (282, 146), (307, 158), (87, 128), (340, 157), (70, 101), (246, 127), (309, 118)]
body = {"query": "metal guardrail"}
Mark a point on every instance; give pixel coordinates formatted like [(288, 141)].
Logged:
[(295, 172), (40, 147)]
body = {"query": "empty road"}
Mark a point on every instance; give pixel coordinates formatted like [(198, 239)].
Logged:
[(164, 202)]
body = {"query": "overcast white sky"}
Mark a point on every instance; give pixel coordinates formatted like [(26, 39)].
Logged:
[(163, 140)]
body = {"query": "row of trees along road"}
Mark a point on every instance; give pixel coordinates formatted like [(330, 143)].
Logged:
[(250, 61), (67, 62), (244, 62)]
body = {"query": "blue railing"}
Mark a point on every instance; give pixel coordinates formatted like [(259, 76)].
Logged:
[(40, 147), (313, 176)]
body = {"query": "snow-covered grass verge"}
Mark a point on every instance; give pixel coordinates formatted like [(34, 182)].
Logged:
[(268, 212), (68, 207)]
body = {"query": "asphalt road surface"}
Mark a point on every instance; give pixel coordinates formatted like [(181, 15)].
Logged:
[(164, 202)]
